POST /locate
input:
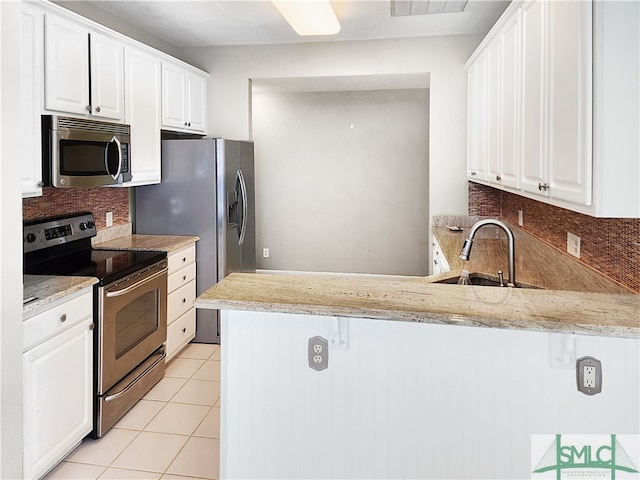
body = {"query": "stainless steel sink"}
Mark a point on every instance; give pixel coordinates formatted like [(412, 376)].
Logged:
[(482, 279)]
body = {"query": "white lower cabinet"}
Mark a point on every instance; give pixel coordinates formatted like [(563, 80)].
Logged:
[(440, 263), (181, 315), (57, 364)]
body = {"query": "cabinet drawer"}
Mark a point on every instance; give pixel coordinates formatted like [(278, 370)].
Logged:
[(180, 301), (57, 319), (181, 277), (180, 332), (181, 259)]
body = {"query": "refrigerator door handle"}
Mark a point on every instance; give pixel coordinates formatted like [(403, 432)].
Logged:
[(243, 192)]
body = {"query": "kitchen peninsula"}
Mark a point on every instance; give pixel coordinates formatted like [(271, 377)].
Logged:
[(418, 379)]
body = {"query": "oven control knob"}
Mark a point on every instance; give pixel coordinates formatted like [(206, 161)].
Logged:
[(83, 226), (31, 237), (91, 224)]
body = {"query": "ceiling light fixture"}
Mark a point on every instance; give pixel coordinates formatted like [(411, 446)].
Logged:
[(309, 17)]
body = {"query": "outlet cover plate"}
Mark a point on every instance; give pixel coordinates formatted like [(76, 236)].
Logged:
[(573, 244), (318, 353), (589, 375)]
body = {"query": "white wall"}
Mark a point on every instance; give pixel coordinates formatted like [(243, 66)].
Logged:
[(342, 181), (443, 58), (10, 245), (407, 400)]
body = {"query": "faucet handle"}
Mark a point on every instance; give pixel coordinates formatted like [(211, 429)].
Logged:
[(501, 278)]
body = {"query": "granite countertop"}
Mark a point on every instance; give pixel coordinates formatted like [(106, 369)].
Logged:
[(48, 289), (421, 300), (166, 243), (571, 297), (45, 290)]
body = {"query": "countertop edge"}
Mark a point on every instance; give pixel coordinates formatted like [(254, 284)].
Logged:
[(421, 301), (48, 290), (425, 317)]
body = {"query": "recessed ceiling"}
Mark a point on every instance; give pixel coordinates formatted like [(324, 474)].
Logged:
[(191, 23)]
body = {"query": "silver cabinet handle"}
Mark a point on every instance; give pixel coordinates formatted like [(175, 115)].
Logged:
[(97, 109), (63, 318), (543, 186), (89, 108), (40, 184), (498, 178)]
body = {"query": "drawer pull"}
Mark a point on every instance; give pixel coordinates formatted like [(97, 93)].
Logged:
[(184, 277), (184, 300), (92, 326), (184, 329), (184, 259), (63, 318)]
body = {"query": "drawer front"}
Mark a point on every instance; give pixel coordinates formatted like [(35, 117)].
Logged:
[(181, 277), (181, 258), (57, 319), (180, 301), (180, 332)]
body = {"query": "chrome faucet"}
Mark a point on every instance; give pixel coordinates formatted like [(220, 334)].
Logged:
[(468, 243)]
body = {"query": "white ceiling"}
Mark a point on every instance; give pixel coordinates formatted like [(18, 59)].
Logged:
[(189, 23)]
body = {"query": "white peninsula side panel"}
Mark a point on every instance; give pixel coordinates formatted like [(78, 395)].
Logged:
[(407, 400)]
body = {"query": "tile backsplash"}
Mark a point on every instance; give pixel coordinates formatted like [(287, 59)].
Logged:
[(609, 245), (62, 201)]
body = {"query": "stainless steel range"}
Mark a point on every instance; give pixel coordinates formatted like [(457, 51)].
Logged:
[(130, 308)]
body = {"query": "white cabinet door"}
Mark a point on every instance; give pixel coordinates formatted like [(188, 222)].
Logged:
[(142, 112), (58, 382), (494, 111), (476, 120), (66, 66), (534, 172), (510, 154), (569, 116), (31, 89), (173, 99), (184, 99), (196, 102), (107, 99)]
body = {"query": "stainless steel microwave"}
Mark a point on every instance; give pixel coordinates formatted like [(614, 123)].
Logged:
[(78, 152)]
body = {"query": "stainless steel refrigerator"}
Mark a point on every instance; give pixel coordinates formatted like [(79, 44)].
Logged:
[(207, 190)]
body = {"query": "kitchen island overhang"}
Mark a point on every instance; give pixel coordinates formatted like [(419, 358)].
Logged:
[(418, 299)]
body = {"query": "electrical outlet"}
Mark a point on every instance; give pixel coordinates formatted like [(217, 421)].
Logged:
[(318, 353), (520, 218), (109, 219), (265, 253), (573, 244), (589, 375)]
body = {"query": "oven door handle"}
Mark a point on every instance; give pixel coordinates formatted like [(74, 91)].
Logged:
[(130, 288), (122, 392)]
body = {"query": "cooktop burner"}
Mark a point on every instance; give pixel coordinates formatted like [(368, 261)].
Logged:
[(62, 246)]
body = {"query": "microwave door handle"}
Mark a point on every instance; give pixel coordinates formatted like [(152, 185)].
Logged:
[(106, 158)]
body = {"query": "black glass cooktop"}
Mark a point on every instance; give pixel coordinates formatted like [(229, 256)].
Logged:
[(106, 265)]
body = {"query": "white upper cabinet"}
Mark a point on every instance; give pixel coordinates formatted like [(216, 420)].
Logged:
[(70, 70), (533, 78), (476, 118), (184, 98), (562, 105), (107, 77), (31, 98), (142, 113), (557, 103)]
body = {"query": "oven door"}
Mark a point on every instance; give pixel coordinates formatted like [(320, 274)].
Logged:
[(132, 323)]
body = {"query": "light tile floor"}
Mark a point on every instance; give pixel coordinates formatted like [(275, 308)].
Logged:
[(173, 433)]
